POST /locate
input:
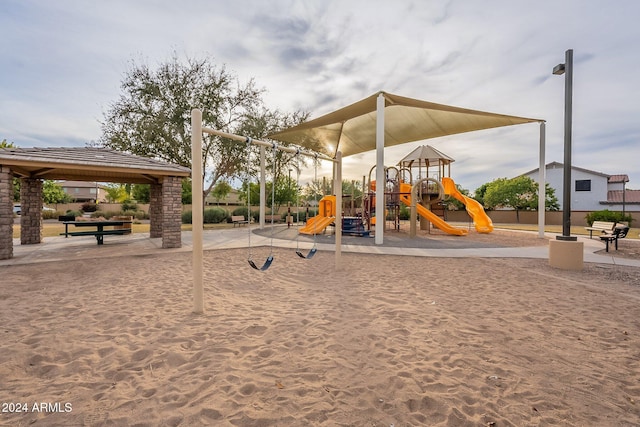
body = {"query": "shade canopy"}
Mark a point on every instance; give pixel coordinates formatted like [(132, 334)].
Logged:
[(352, 129)]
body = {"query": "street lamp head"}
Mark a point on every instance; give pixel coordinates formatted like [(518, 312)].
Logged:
[(558, 70)]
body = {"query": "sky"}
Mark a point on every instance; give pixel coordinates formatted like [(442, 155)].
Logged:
[(62, 63)]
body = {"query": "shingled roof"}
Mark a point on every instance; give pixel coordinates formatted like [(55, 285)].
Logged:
[(87, 164), (614, 197)]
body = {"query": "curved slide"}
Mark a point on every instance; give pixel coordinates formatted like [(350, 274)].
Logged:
[(481, 221), (428, 215)]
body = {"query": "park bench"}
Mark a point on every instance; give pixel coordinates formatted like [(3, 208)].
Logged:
[(272, 218), (238, 219), (618, 232), (601, 226)]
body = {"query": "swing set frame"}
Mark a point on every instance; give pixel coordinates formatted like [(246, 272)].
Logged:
[(197, 175)]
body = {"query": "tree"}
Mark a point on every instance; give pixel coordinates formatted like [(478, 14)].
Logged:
[(116, 193), (479, 194), (16, 181), (221, 190), (519, 193), (453, 204), (141, 193), (153, 116), (187, 192), (53, 193)]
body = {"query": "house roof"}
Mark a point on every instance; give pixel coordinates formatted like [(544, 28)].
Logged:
[(614, 197), (79, 184), (613, 179), (352, 129), (87, 164), (558, 165)]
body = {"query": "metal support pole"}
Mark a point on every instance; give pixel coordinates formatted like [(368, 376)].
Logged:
[(380, 172), (263, 185), (542, 193), (197, 211), (338, 222), (567, 69)]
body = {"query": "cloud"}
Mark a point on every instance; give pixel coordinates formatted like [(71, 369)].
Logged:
[(62, 65)]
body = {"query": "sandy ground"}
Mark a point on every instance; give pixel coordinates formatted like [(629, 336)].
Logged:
[(387, 340)]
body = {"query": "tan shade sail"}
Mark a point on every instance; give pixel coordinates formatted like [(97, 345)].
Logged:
[(352, 129)]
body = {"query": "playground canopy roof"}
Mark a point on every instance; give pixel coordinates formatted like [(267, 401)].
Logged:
[(352, 129), (425, 154)]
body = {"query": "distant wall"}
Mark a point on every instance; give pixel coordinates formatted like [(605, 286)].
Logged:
[(104, 207), (578, 218)]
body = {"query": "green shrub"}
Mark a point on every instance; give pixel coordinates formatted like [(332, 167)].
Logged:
[(74, 213), (99, 214), (608, 216), (128, 205), (242, 210), (51, 214), (128, 213), (89, 207), (405, 212), (215, 215), (186, 217)]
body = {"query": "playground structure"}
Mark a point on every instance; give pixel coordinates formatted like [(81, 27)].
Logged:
[(424, 195)]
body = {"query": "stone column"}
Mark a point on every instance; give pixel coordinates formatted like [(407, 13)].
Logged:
[(31, 215), (155, 210), (171, 212), (6, 213)]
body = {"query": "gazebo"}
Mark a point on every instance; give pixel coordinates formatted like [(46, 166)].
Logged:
[(427, 156), (33, 165)]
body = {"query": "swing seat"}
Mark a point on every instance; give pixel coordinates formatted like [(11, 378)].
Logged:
[(265, 266), (310, 255)]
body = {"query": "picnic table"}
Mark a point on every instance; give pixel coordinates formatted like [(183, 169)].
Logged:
[(100, 230)]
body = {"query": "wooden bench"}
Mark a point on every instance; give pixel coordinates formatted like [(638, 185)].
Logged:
[(272, 218), (601, 226), (619, 232), (238, 219)]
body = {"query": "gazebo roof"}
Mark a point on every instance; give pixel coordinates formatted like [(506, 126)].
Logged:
[(87, 164), (427, 155)]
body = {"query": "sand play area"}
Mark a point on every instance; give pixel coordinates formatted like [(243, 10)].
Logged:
[(386, 341)]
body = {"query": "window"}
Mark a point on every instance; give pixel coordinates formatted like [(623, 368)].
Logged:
[(583, 185)]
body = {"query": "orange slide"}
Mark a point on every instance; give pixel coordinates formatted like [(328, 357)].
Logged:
[(326, 216), (428, 215), (481, 220)]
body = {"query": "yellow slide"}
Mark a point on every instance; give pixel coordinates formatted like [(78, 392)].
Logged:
[(326, 216), (428, 215), (480, 218)]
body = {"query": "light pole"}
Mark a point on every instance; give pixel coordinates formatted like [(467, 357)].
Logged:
[(567, 70)]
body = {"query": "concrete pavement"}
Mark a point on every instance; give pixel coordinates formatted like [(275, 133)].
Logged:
[(139, 244)]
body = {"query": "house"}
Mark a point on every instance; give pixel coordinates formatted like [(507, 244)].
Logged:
[(590, 190), (232, 199), (84, 191)]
